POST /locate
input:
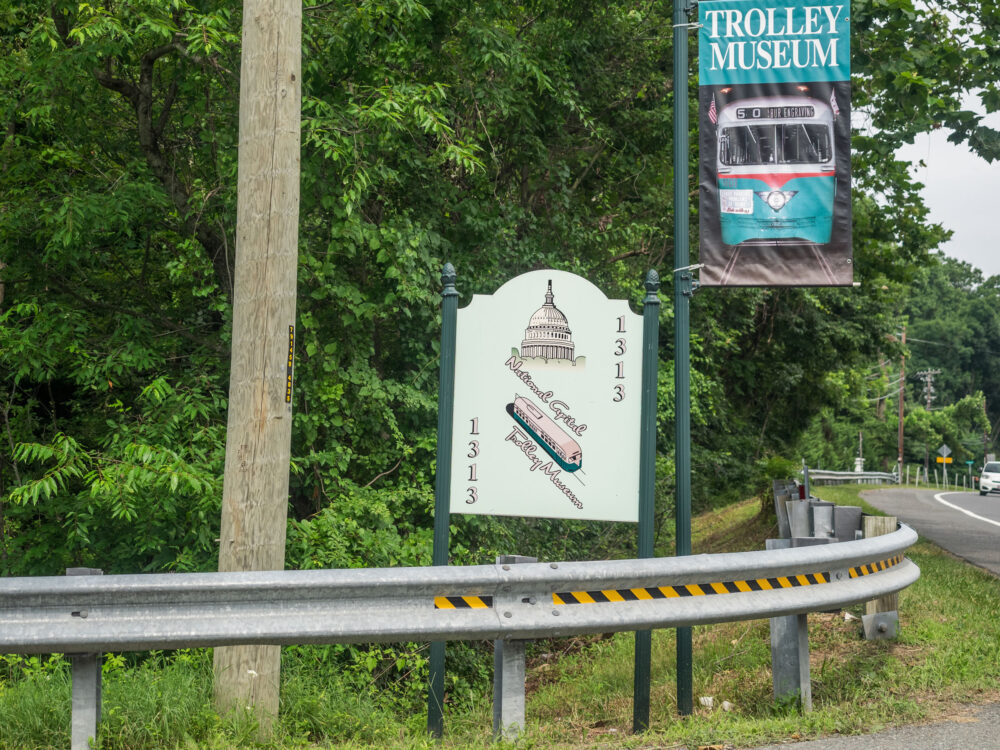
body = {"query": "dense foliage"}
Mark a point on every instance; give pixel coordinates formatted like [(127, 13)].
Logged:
[(502, 137), (946, 374)]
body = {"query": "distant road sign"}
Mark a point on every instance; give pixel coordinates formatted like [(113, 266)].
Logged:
[(944, 450), (944, 459)]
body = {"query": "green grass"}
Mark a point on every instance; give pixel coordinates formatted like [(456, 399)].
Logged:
[(165, 702), (947, 655)]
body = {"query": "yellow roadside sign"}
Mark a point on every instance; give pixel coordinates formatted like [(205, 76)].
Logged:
[(943, 460)]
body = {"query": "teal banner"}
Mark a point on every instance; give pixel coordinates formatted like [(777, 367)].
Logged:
[(774, 139), (773, 41)]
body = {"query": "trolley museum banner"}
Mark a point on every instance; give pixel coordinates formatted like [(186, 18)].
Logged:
[(775, 124)]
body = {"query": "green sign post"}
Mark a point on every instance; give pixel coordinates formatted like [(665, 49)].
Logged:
[(547, 410), (442, 482), (647, 481), (683, 289)]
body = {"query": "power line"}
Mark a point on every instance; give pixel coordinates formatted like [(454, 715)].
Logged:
[(890, 384), (952, 346), (882, 397)]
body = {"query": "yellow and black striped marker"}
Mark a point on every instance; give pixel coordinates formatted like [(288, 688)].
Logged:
[(691, 589), (670, 592), (707, 589), (875, 567), (463, 602)]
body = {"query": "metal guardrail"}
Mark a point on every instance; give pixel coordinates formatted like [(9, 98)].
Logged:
[(821, 476), (537, 600), (85, 614)]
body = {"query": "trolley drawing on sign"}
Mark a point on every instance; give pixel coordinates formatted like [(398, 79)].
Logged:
[(776, 167), (563, 449)]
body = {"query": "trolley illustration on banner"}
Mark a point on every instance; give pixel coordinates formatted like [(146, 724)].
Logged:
[(776, 167), (563, 449)]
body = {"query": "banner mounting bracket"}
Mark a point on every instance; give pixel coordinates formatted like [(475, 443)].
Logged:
[(689, 285), (693, 267)]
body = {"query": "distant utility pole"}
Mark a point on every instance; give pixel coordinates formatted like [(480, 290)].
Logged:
[(258, 436), (928, 377)]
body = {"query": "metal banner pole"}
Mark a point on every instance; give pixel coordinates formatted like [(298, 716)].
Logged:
[(683, 289), (442, 483), (647, 479)]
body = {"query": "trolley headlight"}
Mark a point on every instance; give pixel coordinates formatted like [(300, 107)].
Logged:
[(777, 199)]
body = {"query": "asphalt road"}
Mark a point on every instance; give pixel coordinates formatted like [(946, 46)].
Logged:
[(963, 523), (974, 730)]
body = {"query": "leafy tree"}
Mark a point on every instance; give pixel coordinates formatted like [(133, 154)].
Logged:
[(955, 329), (500, 137), (112, 248)]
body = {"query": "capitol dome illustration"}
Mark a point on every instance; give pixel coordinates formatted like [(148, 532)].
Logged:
[(548, 334)]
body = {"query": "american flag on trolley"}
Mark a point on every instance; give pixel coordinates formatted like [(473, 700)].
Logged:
[(713, 113), (833, 103)]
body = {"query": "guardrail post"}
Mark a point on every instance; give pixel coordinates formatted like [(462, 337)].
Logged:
[(781, 496), (881, 618), (86, 701), (799, 517), (508, 689), (846, 522), (508, 674), (822, 519), (790, 651)]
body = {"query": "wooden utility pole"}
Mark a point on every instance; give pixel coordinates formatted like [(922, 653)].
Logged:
[(258, 437)]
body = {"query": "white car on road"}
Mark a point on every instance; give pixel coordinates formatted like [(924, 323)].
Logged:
[(989, 478)]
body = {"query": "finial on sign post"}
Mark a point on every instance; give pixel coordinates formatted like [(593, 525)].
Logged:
[(652, 285), (448, 277)]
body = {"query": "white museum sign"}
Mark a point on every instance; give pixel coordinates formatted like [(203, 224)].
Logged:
[(547, 402)]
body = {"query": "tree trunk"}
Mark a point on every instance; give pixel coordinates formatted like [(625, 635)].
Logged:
[(258, 439)]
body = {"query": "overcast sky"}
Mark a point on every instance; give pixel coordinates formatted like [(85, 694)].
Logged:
[(963, 194)]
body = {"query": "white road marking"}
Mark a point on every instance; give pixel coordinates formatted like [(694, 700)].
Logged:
[(940, 498)]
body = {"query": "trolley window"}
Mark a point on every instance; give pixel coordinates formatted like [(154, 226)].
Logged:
[(532, 410), (788, 143)]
